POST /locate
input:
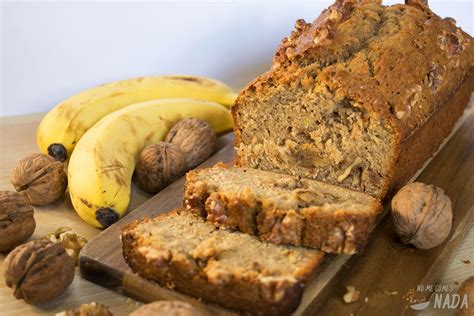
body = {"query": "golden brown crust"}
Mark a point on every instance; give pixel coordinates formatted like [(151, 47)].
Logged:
[(195, 194), (437, 56), (418, 148), (342, 231), (225, 209), (260, 296)]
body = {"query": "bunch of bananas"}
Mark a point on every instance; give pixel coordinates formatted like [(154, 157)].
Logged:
[(102, 131)]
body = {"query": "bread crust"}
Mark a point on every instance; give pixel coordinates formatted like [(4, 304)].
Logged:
[(240, 292), (342, 231), (421, 145), (410, 96)]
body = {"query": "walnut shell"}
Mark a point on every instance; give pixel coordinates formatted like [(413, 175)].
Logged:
[(40, 178), (467, 289), (17, 223), (159, 165), (195, 138), (38, 271), (90, 309), (168, 308), (422, 215)]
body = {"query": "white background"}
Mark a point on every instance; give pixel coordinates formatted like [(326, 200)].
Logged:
[(53, 49)]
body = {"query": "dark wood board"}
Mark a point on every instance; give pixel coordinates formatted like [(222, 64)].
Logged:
[(386, 264)]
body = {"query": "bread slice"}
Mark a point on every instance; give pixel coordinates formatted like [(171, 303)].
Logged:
[(283, 209), (358, 98), (182, 251)]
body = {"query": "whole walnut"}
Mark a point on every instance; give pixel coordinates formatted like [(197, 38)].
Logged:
[(159, 165), (195, 138), (422, 215), (467, 289), (177, 308), (40, 178), (17, 223), (38, 271)]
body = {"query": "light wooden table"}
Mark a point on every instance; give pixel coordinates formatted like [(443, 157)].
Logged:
[(17, 139)]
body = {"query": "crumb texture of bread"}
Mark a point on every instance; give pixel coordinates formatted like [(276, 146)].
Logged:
[(182, 251), (282, 209), (348, 97)]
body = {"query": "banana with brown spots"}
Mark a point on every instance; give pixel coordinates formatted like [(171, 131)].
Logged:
[(64, 125), (102, 164)]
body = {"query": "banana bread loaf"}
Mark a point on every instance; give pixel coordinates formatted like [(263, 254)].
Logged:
[(182, 251), (358, 98), (282, 209)]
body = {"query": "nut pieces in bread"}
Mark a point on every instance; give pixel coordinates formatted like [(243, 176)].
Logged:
[(40, 178), (17, 223), (38, 271), (422, 215), (336, 94)]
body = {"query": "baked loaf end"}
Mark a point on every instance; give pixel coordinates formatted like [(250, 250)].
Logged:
[(182, 251), (359, 97), (282, 209)]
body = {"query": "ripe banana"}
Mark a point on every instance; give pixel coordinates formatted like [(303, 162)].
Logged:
[(101, 166), (63, 126)]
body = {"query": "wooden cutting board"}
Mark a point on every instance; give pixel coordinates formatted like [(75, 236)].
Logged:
[(384, 274)]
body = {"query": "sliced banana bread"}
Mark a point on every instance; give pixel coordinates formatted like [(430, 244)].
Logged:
[(283, 209), (180, 250), (361, 97)]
